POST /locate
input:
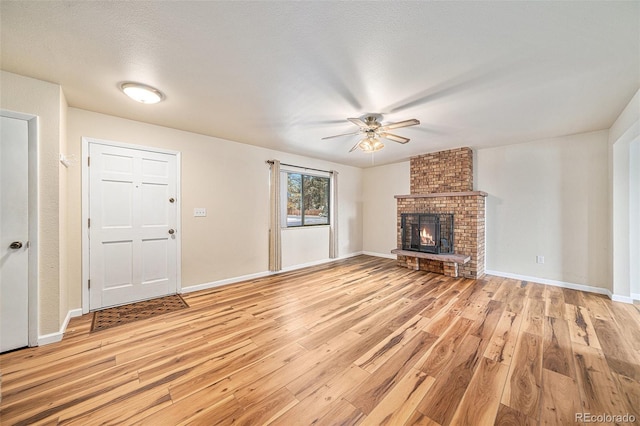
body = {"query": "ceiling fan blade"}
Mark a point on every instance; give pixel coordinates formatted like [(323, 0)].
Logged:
[(399, 124), (394, 138), (358, 122), (344, 134), (355, 146)]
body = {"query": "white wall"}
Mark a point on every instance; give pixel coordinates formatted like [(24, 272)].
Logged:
[(623, 163), (379, 220), (548, 198), (229, 179), (294, 238)]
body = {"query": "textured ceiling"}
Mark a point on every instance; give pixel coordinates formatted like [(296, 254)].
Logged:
[(282, 75)]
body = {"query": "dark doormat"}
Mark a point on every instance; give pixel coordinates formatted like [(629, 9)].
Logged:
[(113, 317)]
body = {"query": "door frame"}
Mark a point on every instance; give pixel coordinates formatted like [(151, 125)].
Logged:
[(32, 199), (86, 141)]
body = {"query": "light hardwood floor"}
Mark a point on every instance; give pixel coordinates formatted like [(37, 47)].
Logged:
[(358, 341)]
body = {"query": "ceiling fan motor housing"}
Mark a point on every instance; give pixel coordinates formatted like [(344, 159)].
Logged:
[(372, 122)]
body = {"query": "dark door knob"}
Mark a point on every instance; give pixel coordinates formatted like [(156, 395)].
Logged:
[(171, 231), (15, 245)]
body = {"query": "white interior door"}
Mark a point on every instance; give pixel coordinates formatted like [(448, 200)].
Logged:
[(14, 234), (132, 225)]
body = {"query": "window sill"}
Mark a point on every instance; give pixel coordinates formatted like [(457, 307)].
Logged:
[(288, 228)]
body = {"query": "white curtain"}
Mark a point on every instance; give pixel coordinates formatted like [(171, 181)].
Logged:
[(275, 245), (333, 226)]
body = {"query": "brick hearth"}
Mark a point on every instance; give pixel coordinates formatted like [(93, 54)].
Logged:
[(442, 182)]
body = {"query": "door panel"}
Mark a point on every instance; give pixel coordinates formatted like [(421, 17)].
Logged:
[(132, 255), (154, 198), (116, 204), (118, 264), (14, 227), (152, 270)]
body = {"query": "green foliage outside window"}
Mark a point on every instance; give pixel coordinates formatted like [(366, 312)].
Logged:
[(307, 200)]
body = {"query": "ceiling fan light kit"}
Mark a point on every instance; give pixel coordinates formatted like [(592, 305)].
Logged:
[(370, 144), (374, 131)]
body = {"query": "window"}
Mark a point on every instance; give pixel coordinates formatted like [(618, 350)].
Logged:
[(307, 200)]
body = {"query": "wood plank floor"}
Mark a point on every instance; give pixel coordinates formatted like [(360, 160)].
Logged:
[(358, 341)]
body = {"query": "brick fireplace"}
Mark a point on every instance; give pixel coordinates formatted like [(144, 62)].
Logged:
[(442, 183)]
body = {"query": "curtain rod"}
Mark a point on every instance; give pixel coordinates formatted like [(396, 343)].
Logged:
[(270, 162)]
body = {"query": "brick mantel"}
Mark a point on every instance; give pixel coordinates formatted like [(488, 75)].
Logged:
[(443, 194), (442, 182)]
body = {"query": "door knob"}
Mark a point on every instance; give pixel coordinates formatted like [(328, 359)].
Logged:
[(15, 245), (172, 200), (171, 231)]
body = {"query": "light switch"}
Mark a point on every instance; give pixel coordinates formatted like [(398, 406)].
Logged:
[(199, 212)]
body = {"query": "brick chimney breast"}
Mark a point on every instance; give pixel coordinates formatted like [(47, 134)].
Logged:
[(444, 171), (442, 182)]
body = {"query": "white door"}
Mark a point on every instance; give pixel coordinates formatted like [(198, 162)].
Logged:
[(132, 225), (14, 234)]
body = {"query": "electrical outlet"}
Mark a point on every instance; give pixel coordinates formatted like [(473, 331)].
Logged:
[(199, 212), (539, 259)]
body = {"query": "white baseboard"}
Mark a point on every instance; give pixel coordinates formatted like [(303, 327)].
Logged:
[(213, 284), (572, 286), (555, 283), (385, 255), (623, 299), (46, 339), (318, 262)]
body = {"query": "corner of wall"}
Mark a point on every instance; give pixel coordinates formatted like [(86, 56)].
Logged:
[(627, 121), (62, 212), (44, 100), (624, 132)]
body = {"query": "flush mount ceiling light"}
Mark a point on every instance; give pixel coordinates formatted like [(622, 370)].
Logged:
[(142, 93)]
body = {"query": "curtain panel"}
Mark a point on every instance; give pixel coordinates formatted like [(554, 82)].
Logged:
[(275, 244), (333, 225)]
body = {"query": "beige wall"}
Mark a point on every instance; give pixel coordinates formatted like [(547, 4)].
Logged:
[(379, 219), (548, 198), (231, 181), (45, 100)]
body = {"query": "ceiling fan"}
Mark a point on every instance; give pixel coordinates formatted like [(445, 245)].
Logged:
[(370, 126)]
